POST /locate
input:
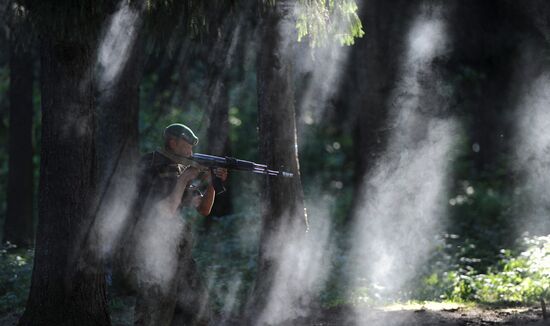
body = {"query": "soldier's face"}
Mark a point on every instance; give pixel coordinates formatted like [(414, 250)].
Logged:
[(181, 147)]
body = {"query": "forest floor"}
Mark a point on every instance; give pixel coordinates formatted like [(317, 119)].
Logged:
[(431, 314), (394, 315)]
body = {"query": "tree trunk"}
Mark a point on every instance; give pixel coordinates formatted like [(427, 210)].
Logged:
[(18, 227), (64, 291), (282, 198)]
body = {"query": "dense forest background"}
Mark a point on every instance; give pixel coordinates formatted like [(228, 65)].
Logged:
[(421, 130)]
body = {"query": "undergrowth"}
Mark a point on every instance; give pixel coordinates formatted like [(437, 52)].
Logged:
[(521, 278), (15, 277), (228, 261)]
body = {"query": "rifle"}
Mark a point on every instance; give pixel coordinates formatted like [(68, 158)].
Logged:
[(231, 163)]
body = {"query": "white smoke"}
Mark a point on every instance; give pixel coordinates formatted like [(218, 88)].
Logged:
[(404, 205), (325, 73), (157, 240), (114, 50), (114, 212), (533, 153), (116, 45), (404, 194), (303, 265), (324, 65)]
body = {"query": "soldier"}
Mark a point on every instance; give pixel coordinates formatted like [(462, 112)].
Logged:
[(157, 253)]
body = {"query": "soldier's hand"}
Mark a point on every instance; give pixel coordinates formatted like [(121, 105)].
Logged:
[(190, 173)]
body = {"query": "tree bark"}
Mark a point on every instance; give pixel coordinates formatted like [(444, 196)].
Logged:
[(64, 291), (18, 227), (282, 198)]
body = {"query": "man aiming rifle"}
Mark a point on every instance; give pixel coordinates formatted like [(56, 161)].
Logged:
[(157, 254)]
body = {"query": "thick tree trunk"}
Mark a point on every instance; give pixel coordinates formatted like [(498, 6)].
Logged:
[(18, 227), (277, 124), (282, 198), (64, 291)]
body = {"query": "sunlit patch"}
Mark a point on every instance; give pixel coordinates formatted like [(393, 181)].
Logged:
[(430, 305)]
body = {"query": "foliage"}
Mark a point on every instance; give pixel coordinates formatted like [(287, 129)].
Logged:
[(521, 278), (321, 21), (15, 277), (450, 276)]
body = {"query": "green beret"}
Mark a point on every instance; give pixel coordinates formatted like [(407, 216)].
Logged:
[(178, 130)]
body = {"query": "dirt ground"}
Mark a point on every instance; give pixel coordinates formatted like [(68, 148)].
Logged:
[(425, 315), (398, 315), (455, 316)]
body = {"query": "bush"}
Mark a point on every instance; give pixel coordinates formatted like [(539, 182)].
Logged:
[(522, 278)]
